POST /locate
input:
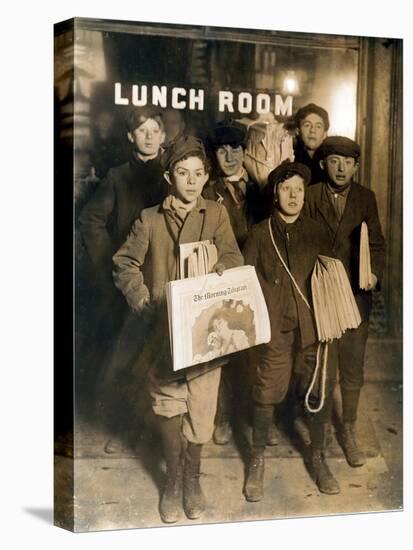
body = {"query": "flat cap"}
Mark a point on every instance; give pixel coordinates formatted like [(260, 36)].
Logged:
[(182, 147), (139, 115), (228, 132), (286, 170), (338, 145), (308, 110)]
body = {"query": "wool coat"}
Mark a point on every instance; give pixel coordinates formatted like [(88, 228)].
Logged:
[(344, 234), (242, 215), (149, 259), (108, 217), (306, 239)]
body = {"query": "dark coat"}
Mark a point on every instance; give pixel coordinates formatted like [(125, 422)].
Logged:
[(242, 215), (301, 155), (306, 240), (344, 235), (108, 217)]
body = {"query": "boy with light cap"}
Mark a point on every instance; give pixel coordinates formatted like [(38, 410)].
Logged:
[(184, 402), (284, 249), (341, 205), (312, 124)]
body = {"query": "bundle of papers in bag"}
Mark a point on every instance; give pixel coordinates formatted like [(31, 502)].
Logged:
[(196, 258), (365, 275), (335, 308)]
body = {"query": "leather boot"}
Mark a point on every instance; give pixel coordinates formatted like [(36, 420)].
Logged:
[(254, 485), (194, 499), (321, 473), (170, 506), (354, 455), (273, 436), (222, 432)]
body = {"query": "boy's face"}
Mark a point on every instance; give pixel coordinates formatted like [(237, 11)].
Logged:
[(188, 179), (339, 169), (290, 195), (230, 159), (147, 138), (312, 131)]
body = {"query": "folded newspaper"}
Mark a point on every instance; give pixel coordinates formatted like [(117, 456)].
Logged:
[(365, 274), (335, 307), (196, 258), (211, 316)]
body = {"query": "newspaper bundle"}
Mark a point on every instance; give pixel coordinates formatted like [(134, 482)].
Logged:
[(212, 316), (335, 308), (196, 258), (365, 274)]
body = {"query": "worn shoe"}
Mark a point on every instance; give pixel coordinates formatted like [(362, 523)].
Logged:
[(170, 506), (322, 475), (222, 433), (194, 499), (273, 436), (354, 455), (254, 485)]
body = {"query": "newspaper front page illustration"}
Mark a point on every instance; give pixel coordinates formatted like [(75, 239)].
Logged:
[(212, 316)]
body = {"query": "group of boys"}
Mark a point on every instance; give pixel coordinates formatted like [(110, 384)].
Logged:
[(162, 198)]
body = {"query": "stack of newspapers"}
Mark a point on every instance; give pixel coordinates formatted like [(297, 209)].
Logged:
[(335, 308), (211, 316), (365, 275), (196, 259)]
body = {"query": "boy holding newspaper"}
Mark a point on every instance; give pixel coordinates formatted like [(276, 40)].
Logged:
[(184, 404), (284, 250), (344, 208)]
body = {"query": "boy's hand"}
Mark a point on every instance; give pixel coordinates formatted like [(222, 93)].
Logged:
[(137, 304), (373, 284), (219, 268)]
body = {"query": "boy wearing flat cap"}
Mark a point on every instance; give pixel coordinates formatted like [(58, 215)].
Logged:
[(341, 205), (184, 403), (284, 249), (233, 188), (312, 124)]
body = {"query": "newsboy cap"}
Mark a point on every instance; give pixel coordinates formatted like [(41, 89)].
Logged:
[(184, 146), (228, 132), (308, 110), (286, 170), (139, 115), (338, 145)]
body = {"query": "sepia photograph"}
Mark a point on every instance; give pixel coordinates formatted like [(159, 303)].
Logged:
[(276, 144), (189, 159)]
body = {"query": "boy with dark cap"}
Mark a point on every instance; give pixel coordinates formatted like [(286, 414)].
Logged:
[(184, 402), (341, 205), (312, 124), (233, 188), (284, 249)]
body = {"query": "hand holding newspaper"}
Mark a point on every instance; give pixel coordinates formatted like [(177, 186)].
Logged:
[(211, 316)]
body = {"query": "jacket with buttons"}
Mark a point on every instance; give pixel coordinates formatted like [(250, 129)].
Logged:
[(344, 234), (299, 247)]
